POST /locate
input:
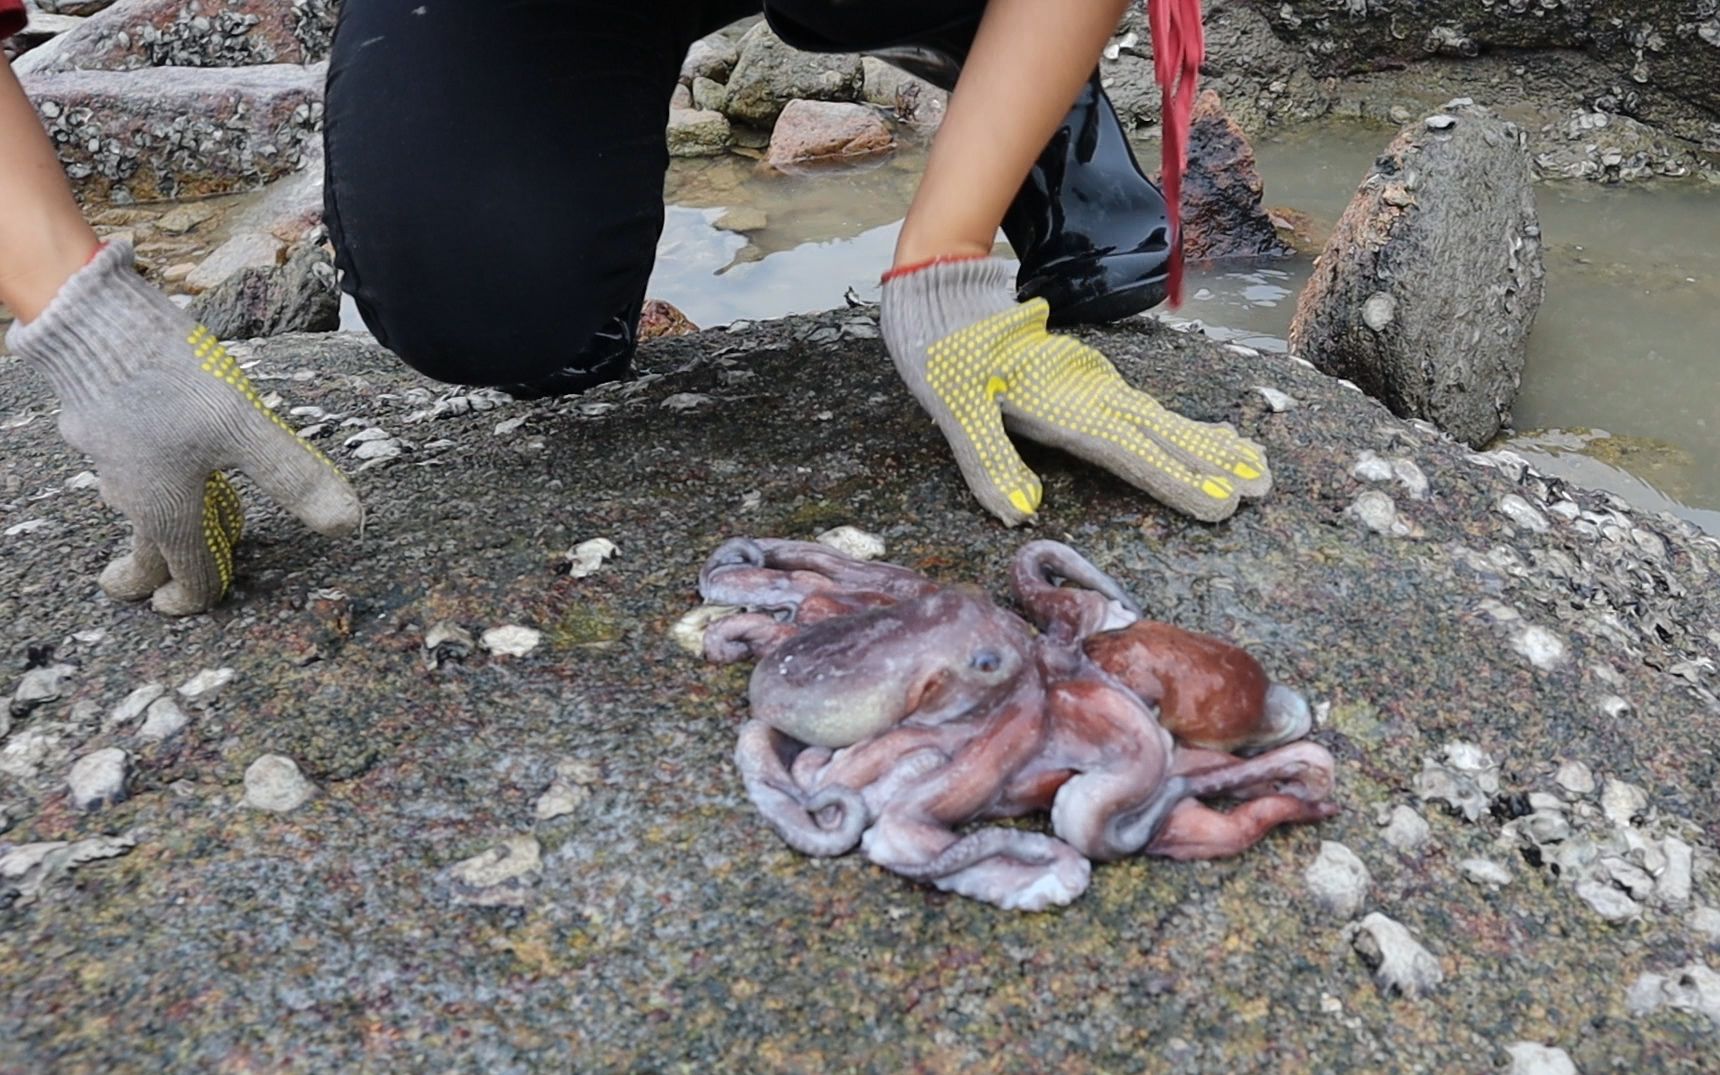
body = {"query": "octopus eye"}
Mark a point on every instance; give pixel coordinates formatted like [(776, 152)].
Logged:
[(985, 661)]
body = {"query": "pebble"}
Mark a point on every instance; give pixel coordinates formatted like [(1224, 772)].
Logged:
[(851, 541), (1706, 921), (500, 876), (1371, 468), (1576, 778), (1376, 511), (1379, 311), (164, 721), (136, 703), (1607, 901), (1278, 401), (511, 640), (1694, 987), (84, 479), (1441, 122), (1522, 513), (682, 402), (39, 687), (688, 632), (273, 783), (570, 786), (1547, 827), (1539, 646), (1406, 830), (1621, 801), (206, 684), (1673, 886), (446, 641), (1632, 879), (1338, 880), (98, 779), (1533, 1058), (585, 558), (1486, 872), (1401, 964)]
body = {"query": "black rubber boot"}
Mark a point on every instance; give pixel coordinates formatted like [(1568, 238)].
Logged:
[(1088, 226), (607, 356)]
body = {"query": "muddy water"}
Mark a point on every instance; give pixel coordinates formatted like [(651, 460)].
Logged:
[(1624, 361)]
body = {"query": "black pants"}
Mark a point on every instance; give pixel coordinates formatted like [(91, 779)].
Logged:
[(495, 171)]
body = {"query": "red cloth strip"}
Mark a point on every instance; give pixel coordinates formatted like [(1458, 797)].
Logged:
[(12, 17), (1179, 46), (904, 270)]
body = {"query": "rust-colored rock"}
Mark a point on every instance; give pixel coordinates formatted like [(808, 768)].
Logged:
[(660, 318), (1222, 216), (810, 133), (202, 33), (169, 133)]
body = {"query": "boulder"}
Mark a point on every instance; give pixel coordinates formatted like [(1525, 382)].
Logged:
[(708, 94), (1222, 216), (175, 132), (695, 132), (912, 100), (246, 250), (202, 33), (73, 7), (711, 57), (769, 74), (827, 132), (1426, 291), (300, 295)]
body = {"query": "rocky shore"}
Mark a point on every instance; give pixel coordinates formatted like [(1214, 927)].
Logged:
[(348, 822), (451, 795)]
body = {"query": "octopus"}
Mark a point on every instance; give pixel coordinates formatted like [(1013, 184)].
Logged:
[(897, 714)]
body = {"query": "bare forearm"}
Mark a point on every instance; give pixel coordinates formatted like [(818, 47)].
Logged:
[(1027, 63), (43, 236)]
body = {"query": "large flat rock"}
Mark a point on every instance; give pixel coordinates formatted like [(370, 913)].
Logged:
[(658, 924)]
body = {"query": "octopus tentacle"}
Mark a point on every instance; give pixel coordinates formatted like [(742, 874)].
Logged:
[(1094, 602), (825, 824)]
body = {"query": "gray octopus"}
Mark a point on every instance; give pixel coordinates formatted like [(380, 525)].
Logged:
[(889, 711)]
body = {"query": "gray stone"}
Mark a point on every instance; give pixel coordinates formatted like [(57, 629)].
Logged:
[(1622, 802), (769, 74), (1706, 921), (1607, 901), (711, 57), (1486, 872), (1576, 778), (1427, 305), (273, 783), (1694, 987), (136, 703), (1673, 885), (1533, 1058), (98, 778), (500, 877), (164, 721), (38, 687), (300, 295), (205, 685), (1337, 880), (250, 250), (708, 95), (1406, 830), (1401, 965), (696, 133), (910, 99)]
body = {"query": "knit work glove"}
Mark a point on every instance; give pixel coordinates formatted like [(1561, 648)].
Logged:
[(978, 361), (159, 406)]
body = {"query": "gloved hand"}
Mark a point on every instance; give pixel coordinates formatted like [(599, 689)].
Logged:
[(159, 406), (977, 361)]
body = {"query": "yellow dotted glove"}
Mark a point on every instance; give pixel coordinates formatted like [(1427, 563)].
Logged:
[(978, 361), (162, 409)]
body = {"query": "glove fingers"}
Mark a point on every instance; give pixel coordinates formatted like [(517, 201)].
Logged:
[(1212, 447), (299, 478), (1141, 461), (137, 574), (967, 414), (185, 541)]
